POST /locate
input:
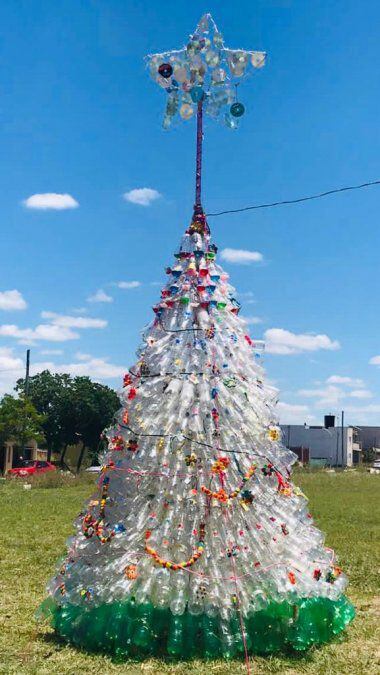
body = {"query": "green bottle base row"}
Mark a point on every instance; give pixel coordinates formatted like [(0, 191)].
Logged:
[(125, 629)]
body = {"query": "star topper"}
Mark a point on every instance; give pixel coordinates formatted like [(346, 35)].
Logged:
[(205, 71)]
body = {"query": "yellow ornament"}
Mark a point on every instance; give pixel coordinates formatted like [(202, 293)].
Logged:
[(160, 445), (274, 434)]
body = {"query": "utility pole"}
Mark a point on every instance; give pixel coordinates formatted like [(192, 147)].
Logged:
[(27, 373), (342, 439), (27, 368), (337, 447)]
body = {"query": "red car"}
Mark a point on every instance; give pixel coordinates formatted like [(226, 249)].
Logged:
[(30, 467)]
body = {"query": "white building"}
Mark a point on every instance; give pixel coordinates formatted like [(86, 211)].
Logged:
[(329, 445)]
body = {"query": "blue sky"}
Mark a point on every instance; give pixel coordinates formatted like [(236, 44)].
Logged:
[(79, 116)]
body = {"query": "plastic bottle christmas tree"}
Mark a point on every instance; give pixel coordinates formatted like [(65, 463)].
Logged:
[(197, 542)]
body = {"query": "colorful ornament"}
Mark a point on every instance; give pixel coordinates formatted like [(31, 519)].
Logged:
[(274, 434), (191, 460), (206, 70), (165, 70), (131, 572), (132, 445), (117, 443)]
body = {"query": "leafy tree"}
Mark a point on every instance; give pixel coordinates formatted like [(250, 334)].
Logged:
[(19, 420), (76, 409), (93, 407), (47, 393)]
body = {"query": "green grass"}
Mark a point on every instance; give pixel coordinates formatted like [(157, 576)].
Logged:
[(35, 524)]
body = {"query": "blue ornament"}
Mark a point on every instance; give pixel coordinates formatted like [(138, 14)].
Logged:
[(237, 109), (197, 94)]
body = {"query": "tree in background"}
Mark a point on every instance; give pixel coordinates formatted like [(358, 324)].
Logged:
[(20, 420), (93, 407), (75, 409), (47, 393)]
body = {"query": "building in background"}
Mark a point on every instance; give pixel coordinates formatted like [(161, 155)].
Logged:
[(327, 445), (370, 438)]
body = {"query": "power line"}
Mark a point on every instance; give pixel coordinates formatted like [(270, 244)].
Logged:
[(297, 201)]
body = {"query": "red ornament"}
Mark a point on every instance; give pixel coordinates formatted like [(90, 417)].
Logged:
[(131, 394), (132, 445), (118, 443), (165, 70), (127, 380)]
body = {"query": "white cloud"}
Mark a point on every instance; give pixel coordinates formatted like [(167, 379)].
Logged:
[(94, 368), (79, 310), (240, 256), (375, 361), (360, 393), (8, 362), (100, 296), (51, 200), (74, 321), (43, 331), (247, 297), (363, 410), (281, 341), (363, 415), (82, 357), (331, 395), (11, 300), (51, 352), (293, 413), (345, 380), (142, 196), (252, 320), (328, 396), (128, 284), (12, 368)]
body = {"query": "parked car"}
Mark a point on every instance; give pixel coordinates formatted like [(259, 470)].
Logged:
[(29, 467), (94, 469)]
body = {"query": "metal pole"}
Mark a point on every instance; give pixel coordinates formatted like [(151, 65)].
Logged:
[(198, 167), (27, 372), (337, 447), (342, 427)]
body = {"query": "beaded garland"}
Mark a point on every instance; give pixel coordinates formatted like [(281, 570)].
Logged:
[(92, 525), (185, 563), (223, 496)]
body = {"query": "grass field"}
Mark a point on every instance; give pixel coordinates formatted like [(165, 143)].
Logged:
[(35, 524)]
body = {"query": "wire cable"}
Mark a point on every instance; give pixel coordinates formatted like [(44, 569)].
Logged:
[(296, 201)]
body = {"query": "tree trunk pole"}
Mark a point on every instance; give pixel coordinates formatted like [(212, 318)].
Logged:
[(198, 166), (80, 458)]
